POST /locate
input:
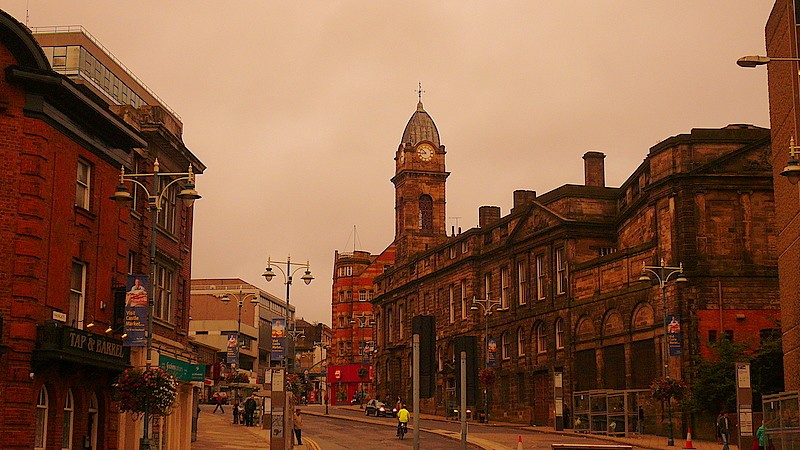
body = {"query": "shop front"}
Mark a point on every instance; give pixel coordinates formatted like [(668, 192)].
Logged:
[(72, 372), (348, 381)]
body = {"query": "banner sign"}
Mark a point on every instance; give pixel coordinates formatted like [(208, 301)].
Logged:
[(491, 344), (367, 349), (182, 370), (136, 300), (278, 340), (232, 353), (674, 335)]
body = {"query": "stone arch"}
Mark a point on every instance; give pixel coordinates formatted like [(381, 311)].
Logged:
[(585, 328), (613, 323), (643, 316)]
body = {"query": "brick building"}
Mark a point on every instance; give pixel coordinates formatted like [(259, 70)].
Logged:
[(69, 248), (564, 267), (784, 107)]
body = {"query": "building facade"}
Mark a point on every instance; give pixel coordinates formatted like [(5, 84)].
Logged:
[(214, 321), (562, 272), (86, 244)]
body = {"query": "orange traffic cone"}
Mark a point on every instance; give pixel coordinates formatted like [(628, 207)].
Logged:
[(688, 439), (519, 443)]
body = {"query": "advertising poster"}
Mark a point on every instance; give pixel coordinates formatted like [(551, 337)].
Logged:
[(278, 339), (136, 299), (491, 344), (674, 335), (232, 353)]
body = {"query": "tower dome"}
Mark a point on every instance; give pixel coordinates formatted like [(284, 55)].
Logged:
[(420, 127)]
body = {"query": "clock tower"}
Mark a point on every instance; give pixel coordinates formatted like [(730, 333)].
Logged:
[(419, 186)]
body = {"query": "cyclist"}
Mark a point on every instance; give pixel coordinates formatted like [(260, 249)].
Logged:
[(402, 418)]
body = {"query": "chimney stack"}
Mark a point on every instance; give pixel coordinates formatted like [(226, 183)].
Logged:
[(522, 198), (488, 215), (594, 169)]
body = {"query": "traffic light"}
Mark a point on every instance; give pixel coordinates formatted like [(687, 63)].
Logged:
[(425, 327)]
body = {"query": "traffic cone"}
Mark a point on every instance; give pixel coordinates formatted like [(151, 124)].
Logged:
[(688, 439), (519, 443)]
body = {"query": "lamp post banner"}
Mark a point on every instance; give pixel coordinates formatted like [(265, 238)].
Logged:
[(491, 344), (278, 340), (136, 318), (232, 353), (674, 335)]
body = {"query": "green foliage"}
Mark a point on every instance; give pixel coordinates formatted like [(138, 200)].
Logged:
[(714, 384)]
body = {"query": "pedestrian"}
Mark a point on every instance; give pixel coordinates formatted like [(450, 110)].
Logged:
[(249, 410), (298, 426), (641, 419), (761, 434), (723, 429), (567, 423), (218, 401), (236, 411)]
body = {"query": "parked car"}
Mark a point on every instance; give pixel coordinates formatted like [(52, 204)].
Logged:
[(379, 409)]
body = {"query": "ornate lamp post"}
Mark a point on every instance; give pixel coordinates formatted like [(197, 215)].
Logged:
[(663, 274), (269, 274), (486, 305), (155, 202), (240, 297)]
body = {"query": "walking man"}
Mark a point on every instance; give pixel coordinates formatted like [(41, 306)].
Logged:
[(218, 400), (298, 426), (724, 429), (249, 410)]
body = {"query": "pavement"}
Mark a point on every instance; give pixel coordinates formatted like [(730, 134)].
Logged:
[(214, 431)]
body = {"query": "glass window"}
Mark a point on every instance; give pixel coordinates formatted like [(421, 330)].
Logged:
[(505, 346), (522, 282), (451, 303), (82, 185), (389, 325), (162, 298), (541, 339), (77, 295), (59, 58), (520, 342), (426, 213), (559, 333), (401, 321), (541, 277), (42, 404), (362, 295), (166, 217), (93, 416), (66, 431), (487, 285), (504, 287), (561, 271), (464, 301)]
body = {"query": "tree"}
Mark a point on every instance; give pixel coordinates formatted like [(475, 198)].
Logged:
[(713, 387)]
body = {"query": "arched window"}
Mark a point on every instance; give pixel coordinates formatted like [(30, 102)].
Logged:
[(93, 419), (426, 213), (520, 342), (42, 404), (559, 333), (541, 339), (69, 409), (505, 346)]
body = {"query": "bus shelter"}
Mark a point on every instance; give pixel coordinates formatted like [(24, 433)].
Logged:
[(782, 419), (609, 412)]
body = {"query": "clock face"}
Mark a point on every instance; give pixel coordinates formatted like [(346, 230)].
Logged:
[(425, 152)]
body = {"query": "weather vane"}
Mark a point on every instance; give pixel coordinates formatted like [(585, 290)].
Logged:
[(419, 92)]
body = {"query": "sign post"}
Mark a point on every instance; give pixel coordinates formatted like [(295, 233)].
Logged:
[(744, 404)]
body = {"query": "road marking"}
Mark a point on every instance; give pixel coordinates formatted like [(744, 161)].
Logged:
[(311, 443)]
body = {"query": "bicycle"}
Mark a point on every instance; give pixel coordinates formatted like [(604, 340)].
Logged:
[(402, 429)]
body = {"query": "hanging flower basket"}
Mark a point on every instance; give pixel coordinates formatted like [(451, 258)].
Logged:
[(237, 377), (487, 376), (139, 389), (667, 388)]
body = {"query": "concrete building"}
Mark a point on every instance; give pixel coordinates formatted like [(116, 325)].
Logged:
[(214, 321), (570, 316)]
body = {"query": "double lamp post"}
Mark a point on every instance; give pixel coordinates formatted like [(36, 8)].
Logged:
[(161, 191), (486, 305)]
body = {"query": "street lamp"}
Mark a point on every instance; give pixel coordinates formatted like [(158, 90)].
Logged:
[(363, 322), (269, 274), (663, 274), (323, 359), (487, 305), (155, 201), (240, 297)]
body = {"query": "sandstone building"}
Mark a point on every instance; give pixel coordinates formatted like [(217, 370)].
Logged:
[(564, 267)]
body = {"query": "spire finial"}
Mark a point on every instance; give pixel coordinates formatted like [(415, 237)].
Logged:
[(419, 92)]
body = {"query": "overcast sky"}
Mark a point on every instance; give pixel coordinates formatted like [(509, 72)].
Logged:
[(297, 107)]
